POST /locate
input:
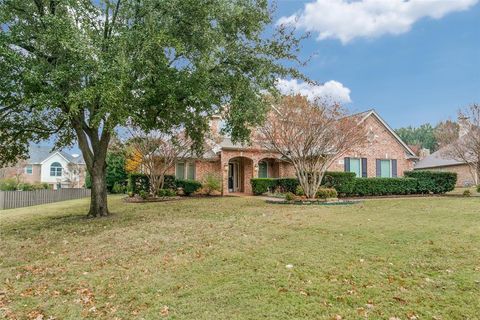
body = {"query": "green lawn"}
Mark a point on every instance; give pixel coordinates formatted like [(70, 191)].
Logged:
[(226, 258)]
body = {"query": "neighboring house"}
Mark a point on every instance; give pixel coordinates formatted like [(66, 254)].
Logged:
[(59, 169), (437, 161), (442, 160), (384, 155)]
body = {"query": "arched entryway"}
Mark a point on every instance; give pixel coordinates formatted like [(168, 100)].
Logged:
[(239, 173)]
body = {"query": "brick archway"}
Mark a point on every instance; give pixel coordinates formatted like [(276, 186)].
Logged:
[(237, 173)]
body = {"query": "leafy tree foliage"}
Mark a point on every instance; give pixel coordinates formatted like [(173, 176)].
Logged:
[(75, 71), (116, 173), (424, 136)]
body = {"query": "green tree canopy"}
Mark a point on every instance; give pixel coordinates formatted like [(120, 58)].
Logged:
[(424, 136), (76, 70)]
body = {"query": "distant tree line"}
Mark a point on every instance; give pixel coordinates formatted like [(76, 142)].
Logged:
[(426, 136)]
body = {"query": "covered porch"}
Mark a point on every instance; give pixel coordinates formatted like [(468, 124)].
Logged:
[(238, 170)]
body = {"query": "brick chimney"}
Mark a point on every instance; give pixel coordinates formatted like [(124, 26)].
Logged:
[(464, 125), (215, 125)]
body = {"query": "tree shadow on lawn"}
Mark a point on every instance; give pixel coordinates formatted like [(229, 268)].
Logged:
[(62, 222)]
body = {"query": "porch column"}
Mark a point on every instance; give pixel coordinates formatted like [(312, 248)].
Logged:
[(255, 168), (224, 174)]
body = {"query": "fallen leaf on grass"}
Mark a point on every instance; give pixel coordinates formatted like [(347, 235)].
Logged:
[(401, 300), (164, 311)]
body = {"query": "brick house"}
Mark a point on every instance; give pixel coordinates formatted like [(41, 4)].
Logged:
[(384, 155)]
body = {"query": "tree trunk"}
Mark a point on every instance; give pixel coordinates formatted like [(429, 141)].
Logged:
[(98, 198), (477, 178)]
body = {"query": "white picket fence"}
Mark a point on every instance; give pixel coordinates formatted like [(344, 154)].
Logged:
[(18, 199)]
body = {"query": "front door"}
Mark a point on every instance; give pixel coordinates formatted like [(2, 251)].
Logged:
[(231, 175), (234, 177)]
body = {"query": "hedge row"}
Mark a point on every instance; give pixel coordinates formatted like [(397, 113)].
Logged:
[(341, 181), (262, 185), (139, 182), (415, 182), (384, 186), (433, 181)]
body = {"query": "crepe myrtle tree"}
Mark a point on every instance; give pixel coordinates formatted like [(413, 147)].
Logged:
[(311, 135), (74, 71), (461, 141), (154, 153)]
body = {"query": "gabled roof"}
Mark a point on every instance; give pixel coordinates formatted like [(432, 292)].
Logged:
[(437, 159), (38, 154), (373, 113), (227, 144)]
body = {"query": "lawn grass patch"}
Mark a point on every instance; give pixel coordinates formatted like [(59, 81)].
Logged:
[(218, 258)]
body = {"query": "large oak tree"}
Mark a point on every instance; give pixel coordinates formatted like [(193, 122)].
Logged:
[(75, 70)]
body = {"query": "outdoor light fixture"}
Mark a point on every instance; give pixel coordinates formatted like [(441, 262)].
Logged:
[(225, 167)]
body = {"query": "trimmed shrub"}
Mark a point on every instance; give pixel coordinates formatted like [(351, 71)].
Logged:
[(143, 194), (299, 191), (286, 184), (343, 182), (325, 193), (140, 181), (118, 188), (289, 196), (169, 182), (262, 185), (478, 188), (166, 193), (384, 186), (433, 181), (188, 186), (467, 193)]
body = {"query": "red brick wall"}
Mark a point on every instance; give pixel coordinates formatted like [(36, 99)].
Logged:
[(383, 146)]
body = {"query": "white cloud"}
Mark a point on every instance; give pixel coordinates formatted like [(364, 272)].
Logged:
[(331, 90), (346, 20)]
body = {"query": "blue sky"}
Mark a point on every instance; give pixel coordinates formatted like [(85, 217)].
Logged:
[(415, 61), (415, 70)]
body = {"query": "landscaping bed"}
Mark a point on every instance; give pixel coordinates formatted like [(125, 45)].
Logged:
[(147, 200), (318, 202)]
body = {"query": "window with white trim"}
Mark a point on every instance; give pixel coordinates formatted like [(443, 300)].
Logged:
[(56, 169), (29, 169), (263, 169)]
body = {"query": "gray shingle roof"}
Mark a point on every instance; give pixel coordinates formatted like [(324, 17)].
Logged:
[(37, 154), (436, 159)]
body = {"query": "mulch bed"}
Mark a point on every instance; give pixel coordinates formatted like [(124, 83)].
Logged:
[(313, 202), (148, 200)]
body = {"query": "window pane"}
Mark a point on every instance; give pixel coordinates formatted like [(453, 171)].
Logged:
[(386, 171), (180, 172), (262, 169), (191, 171), (355, 166)]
